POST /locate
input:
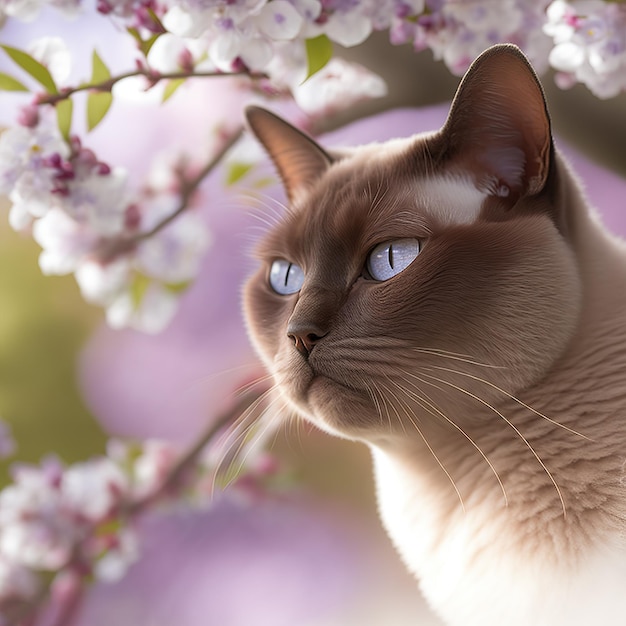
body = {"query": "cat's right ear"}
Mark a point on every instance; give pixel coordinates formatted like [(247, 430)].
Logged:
[(300, 161)]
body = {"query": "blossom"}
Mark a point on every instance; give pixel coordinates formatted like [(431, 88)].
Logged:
[(337, 86), (54, 517), (28, 10), (93, 489), (457, 32), (25, 173), (16, 581), (589, 44), (54, 54)]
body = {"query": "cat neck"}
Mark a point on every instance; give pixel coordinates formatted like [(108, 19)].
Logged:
[(523, 463)]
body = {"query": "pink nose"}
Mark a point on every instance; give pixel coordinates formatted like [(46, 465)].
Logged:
[(304, 338)]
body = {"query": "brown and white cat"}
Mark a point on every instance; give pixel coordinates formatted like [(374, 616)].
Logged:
[(451, 300)]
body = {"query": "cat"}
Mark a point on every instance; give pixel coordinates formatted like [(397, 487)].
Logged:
[(451, 300)]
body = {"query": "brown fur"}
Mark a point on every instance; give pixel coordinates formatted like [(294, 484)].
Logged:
[(490, 375)]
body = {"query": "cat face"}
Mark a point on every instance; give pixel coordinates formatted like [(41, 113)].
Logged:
[(413, 279)]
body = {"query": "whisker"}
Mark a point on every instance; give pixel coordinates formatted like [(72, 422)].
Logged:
[(455, 357), (252, 384), (239, 431), (377, 406), (386, 407), (434, 410), (512, 397), (252, 445), (252, 366), (407, 412), (517, 431)]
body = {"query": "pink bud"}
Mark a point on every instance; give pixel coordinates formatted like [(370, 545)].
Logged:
[(103, 169), (28, 116), (185, 60), (104, 7), (75, 143), (132, 217), (54, 160)]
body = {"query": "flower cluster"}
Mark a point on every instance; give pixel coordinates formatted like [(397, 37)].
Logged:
[(457, 32), (127, 252), (78, 522), (62, 519), (280, 38), (589, 44), (88, 221)]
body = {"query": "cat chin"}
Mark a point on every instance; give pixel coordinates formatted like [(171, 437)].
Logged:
[(337, 409)]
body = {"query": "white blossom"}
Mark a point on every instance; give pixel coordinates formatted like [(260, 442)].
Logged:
[(25, 173), (54, 54), (102, 283), (65, 242), (338, 85), (173, 255), (112, 565), (171, 53), (152, 465), (16, 580), (589, 44), (92, 489), (151, 315), (25, 10)]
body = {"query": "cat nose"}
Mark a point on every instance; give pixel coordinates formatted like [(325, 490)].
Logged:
[(304, 337)]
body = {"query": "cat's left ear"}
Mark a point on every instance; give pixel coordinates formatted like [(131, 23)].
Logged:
[(498, 129), (300, 161)]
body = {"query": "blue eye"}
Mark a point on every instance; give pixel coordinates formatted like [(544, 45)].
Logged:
[(285, 277), (390, 258)]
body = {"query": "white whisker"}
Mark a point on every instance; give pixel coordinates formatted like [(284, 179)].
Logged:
[(515, 429), (512, 397), (436, 411), (407, 412)]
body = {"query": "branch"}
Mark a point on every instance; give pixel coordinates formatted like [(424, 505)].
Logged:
[(134, 509), (113, 247), (153, 77), (188, 187), (177, 472)]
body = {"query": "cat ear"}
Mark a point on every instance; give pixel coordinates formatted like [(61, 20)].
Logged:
[(299, 160), (498, 129)]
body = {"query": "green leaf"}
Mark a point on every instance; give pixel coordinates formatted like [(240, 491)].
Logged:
[(319, 50), (177, 288), (147, 44), (138, 289), (8, 83), (30, 65), (171, 87), (144, 44), (64, 110), (262, 183), (134, 33), (98, 104), (236, 171), (99, 71)]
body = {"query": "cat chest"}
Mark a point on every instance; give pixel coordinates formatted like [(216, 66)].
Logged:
[(474, 570)]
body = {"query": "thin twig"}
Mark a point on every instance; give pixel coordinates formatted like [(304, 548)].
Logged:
[(136, 508), (188, 187), (178, 471), (151, 75), (113, 247)]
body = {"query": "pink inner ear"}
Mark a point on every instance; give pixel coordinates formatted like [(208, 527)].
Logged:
[(505, 169), (498, 128)]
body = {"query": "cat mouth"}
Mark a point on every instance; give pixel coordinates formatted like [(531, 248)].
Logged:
[(326, 390)]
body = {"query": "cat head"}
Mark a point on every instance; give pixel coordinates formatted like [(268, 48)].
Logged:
[(408, 278)]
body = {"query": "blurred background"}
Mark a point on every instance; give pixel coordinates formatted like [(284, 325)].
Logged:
[(316, 555)]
